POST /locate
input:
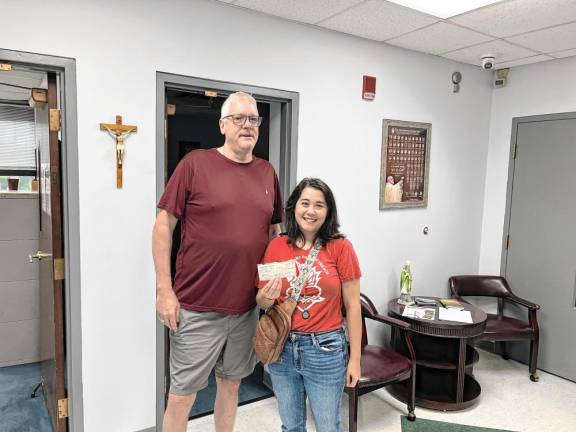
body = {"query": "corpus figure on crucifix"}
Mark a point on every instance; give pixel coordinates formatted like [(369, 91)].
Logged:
[(119, 132)]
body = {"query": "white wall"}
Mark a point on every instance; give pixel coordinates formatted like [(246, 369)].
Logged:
[(119, 46), (542, 88)]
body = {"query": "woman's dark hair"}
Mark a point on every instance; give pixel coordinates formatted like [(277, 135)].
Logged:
[(329, 229)]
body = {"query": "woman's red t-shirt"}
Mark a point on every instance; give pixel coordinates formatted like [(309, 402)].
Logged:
[(321, 295)]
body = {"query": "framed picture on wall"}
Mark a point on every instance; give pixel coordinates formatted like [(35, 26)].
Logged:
[(405, 164)]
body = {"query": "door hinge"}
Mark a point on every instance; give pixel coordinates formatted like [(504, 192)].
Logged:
[(62, 408), (507, 241), (5, 67), (59, 269), (55, 120), (514, 151)]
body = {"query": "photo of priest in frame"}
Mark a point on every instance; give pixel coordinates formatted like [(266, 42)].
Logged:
[(405, 164)]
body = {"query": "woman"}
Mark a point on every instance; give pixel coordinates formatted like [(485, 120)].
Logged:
[(314, 362)]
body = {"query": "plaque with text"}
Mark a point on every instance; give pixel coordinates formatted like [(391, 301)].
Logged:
[(404, 165)]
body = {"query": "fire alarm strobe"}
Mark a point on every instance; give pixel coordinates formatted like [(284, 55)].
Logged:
[(368, 87)]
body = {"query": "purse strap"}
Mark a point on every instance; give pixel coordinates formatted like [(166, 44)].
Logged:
[(299, 282)]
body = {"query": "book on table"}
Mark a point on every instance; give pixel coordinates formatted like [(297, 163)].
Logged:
[(449, 303)]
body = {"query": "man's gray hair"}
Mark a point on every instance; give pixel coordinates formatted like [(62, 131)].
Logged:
[(226, 105)]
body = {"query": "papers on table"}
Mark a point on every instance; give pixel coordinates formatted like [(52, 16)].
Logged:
[(285, 269), (454, 315), (419, 312)]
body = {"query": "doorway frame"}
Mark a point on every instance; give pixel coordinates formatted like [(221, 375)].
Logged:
[(65, 68), (287, 170), (516, 122)]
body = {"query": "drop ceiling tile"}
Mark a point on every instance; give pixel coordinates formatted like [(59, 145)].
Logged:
[(378, 20), (518, 16), (439, 38), (299, 10), (501, 50), (528, 60), (563, 54), (553, 39)]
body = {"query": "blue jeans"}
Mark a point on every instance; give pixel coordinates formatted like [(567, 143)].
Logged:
[(313, 365)]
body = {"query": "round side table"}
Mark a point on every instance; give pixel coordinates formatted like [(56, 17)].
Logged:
[(444, 360)]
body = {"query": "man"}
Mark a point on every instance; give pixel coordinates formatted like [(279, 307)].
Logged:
[(226, 200), (393, 192)]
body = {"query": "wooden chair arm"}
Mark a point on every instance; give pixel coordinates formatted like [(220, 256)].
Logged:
[(519, 300), (403, 326), (394, 322)]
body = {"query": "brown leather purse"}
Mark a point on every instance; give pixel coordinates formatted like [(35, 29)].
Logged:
[(274, 326)]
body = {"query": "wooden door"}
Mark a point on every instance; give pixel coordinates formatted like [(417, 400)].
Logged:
[(50, 255)]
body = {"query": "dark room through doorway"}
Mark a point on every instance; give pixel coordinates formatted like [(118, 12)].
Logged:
[(191, 124)]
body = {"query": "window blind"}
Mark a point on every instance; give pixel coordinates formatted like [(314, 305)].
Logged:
[(17, 138)]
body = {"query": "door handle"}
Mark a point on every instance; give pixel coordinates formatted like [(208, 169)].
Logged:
[(39, 256)]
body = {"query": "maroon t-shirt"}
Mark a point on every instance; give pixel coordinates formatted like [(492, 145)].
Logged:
[(225, 209)]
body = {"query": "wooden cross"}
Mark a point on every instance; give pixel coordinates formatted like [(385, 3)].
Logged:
[(119, 132)]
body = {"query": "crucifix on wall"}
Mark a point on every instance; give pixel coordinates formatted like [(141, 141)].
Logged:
[(119, 132)]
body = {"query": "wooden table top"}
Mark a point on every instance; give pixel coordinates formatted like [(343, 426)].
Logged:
[(441, 328)]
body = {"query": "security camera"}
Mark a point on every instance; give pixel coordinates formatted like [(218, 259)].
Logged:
[(487, 61)]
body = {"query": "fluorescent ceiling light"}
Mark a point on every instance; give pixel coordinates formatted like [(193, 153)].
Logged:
[(444, 8)]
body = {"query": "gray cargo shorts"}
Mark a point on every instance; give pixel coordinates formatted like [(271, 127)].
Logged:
[(210, 340)]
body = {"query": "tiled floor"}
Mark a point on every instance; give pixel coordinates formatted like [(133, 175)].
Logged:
[(509, 400)]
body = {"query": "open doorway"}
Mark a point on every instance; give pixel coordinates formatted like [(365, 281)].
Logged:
[(188, 111), (37, 162), (191, 124)]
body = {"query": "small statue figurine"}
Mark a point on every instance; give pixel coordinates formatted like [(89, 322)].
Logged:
[(406, 285)]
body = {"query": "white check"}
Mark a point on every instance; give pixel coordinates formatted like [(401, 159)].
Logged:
[(285, 269)]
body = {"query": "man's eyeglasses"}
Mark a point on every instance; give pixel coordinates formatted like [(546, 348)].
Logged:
[(240, 119)]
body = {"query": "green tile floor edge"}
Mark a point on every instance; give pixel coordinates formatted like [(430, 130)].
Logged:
[(423, 425)]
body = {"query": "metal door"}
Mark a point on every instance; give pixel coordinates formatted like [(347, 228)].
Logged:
[(540, 262)]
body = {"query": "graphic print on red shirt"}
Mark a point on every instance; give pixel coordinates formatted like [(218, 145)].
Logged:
[(321, 296)]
